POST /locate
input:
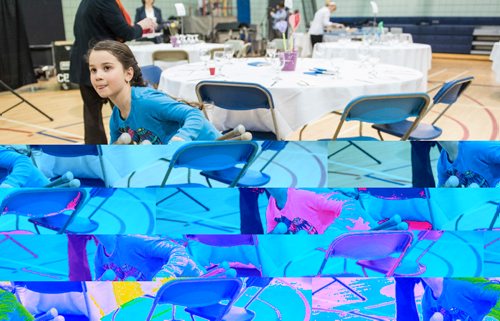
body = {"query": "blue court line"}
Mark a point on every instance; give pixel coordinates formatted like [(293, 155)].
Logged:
[(57, 137)]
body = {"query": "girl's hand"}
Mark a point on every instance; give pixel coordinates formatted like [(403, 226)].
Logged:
[(176, 139)]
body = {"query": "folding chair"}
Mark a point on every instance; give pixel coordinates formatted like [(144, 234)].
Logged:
[(251, 178), (384, 109), (400, 194), (49, 208), (353, 144), (169, 58), (448, 94), (236, 44), (60, 288), (230, 240), (202, 297), (76, 151), (212, 157), (151, 75), (367, 248), (240, 96)]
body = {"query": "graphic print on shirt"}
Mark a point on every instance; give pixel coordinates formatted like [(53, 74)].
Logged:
[(296, 225), (141, 134), (467, 178), (124, 271)]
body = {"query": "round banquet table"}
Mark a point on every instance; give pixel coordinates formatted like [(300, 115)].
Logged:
[(144, 53), (299, 98), (495, 57), (413, 55)]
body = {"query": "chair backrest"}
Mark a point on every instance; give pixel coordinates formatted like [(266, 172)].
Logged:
[(151, 75), (450, 91), (214, 155), (234, 95), (69, 150), (396, 193), (370, 245), (75, 151), (40, 202), (198, 292), (56, 288), (386, 109), (53, 287), (236, 44), (214, 50), (244, 50), (400, 194), (171, 55), (237, 96)]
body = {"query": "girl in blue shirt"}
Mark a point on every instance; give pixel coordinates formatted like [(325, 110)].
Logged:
[(144, 113), (469, 164)]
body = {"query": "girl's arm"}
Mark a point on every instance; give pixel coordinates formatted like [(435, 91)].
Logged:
[(190, 119), (175, 256)]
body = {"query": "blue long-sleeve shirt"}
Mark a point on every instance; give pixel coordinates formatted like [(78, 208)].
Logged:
[(142, 257), (156, 117), (460, 298), (18, 170), (476, 162)]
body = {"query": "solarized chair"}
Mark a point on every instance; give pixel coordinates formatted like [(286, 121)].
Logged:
[(77, 151), (367, 247), (210, 156), (55, 209), (231, 240), (251, 178), (343, 284), (60, 288), (448, 94), (240, 96), (209, 298), (384, 109), (395, 194)]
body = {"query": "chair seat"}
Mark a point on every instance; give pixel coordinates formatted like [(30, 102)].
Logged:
[(422, 132), (355, 138), (385, 264), (212, 312), (79, 225), (250, 179)]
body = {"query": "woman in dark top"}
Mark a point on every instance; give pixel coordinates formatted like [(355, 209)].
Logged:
[(149, 11)]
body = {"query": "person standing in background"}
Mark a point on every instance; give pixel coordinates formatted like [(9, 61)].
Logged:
[(321, 21), (149, 11), (279, 14), (97, 20)]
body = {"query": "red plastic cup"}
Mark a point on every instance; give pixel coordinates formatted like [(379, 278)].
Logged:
[(212, 71)]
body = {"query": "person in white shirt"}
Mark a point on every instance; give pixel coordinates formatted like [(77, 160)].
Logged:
[(321, 21)]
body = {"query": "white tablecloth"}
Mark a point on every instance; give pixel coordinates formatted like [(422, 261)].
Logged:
[(495, 57), (299, 98), (416, 56), (144, 53)]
